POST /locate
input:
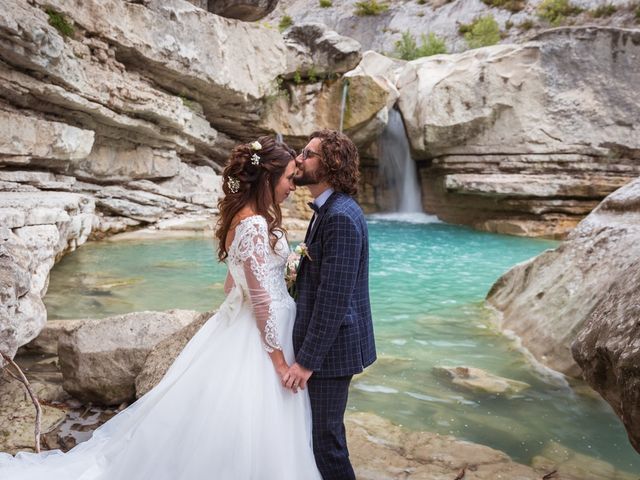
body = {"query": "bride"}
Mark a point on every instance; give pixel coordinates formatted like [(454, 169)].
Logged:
[(220, 411)]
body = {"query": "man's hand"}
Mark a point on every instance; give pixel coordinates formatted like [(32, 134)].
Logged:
[(296, 377)]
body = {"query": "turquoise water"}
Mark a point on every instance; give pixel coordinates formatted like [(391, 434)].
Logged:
[(428, 282)]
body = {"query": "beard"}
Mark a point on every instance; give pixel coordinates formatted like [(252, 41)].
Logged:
[(308, 178)]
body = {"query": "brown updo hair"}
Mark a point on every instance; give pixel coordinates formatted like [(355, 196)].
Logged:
[(256, 185)]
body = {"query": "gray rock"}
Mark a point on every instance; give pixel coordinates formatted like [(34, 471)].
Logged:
[(100, 359), (164, 353), (317, 50), (46, 343), (478, 380), (247, 10), (607, 348), (28, 136), (22, 313), (549, 299)]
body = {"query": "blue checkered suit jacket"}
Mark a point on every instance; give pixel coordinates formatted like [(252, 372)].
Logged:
[(333, 331)]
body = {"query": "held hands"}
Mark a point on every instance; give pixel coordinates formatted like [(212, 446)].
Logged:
[(296, 377)]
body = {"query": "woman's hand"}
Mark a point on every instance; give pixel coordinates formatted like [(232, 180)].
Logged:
[(282, 369)]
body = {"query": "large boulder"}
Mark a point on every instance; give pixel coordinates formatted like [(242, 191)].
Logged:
[(100, 359), (607, 348), (315, 49), (548, 300), (164, 353)]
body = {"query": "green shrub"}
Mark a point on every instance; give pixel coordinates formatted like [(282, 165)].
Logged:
[(285, 22), (638, 13), (326, 3), (60, 23), (422, 2), (407, 48), (508, 25), (464, 28), (555, 11), (603, 11), (371, 7), (187, 102), (297, 77), (513, 6), (312, 75), (482, 32)]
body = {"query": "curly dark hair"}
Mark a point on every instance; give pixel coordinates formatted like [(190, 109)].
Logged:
[(255, 185), (340, 161)]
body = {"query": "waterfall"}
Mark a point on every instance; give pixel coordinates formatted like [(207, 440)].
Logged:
[(343, 103), (397, 169)]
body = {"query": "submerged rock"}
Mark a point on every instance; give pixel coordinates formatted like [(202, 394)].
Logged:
[(478, 380), (381, 450), (100, 359), (570, 464)]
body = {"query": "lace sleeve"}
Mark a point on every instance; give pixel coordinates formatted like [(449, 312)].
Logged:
[(253, 252)]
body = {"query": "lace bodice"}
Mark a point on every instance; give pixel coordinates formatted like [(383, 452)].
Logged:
[(258, 271)]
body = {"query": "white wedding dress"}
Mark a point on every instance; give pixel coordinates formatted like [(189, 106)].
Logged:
[(220, 411)]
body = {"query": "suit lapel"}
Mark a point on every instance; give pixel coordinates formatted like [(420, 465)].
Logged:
[(316, 224)]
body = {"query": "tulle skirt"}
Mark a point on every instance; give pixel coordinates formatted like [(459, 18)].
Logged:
[(219, 413)]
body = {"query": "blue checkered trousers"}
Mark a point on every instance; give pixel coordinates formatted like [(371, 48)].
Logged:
[(333, 331)]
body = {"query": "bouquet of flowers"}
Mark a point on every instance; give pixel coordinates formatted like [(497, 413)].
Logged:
[(292, 266)]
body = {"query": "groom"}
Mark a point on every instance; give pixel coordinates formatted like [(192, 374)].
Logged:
[(333, 331)]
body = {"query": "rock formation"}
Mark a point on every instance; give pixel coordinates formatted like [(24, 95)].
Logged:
[(119, 115), (525, 139), (100, 359), (580, 301)]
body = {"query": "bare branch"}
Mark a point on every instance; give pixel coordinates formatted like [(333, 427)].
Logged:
[(22, 379)]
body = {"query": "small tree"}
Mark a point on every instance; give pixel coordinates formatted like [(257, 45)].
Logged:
[(555, 11), (371, 7), (285, 22), (513, 6), (408, 49), (603, 11), (482, 32), (326, 3)]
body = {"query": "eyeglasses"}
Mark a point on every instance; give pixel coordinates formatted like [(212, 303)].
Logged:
[(306, 153)]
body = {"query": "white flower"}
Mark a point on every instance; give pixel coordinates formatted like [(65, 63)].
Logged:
[(255, 158), (302, 250), (233, 184), (256, 146)]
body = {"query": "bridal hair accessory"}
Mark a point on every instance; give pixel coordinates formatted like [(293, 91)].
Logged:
[(255, 158), (234, 184)]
